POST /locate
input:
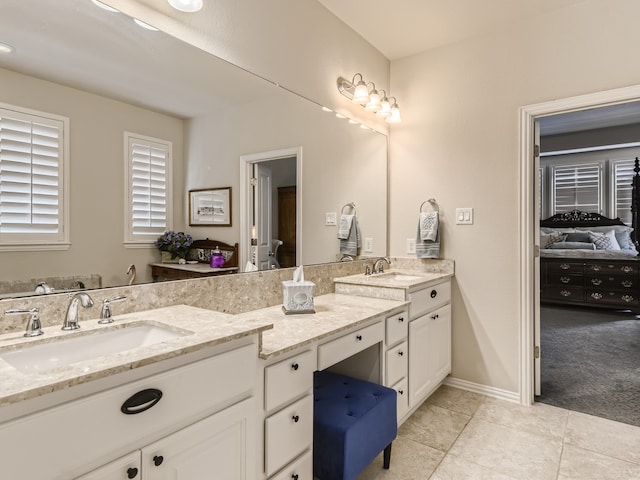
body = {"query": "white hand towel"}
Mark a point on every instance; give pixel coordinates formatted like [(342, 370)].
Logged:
[(350, 245), (345, 226), (250, 267), (428, 226)]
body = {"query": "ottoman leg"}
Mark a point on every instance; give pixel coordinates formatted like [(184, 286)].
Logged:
[(387, 457)]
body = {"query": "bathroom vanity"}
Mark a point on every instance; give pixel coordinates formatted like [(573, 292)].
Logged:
[(226, 393)]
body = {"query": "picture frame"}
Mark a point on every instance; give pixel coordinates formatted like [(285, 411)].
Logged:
[(210, 207)]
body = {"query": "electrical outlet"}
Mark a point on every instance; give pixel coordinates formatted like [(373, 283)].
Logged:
[(368, 245), (330, 218), (411, 245)]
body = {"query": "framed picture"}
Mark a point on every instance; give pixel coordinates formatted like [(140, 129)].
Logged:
[(210, 207)]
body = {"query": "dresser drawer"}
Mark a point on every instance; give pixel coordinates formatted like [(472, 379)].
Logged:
[(557, 278), (428, 299), (397, 327), (337, 350), (607, 297), (396, 363), (403, 397), (565, 293), (612, 282), (628, 269), (565, 267), (288, 433), (301, 469), (288, 379)]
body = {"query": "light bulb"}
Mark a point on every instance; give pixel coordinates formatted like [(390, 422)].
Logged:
[(374, 101), (395, 115), (360, 94), (385, 108)]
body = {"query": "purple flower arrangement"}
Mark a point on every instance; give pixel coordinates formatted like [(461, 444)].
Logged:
[(176, 243)]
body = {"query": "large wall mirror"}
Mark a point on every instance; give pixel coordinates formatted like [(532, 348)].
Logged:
[(110, 76)]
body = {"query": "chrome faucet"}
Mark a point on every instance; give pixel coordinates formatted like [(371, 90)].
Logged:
[(378, 267), (34, 328), (44, 287), (71, 318), (105, 313)]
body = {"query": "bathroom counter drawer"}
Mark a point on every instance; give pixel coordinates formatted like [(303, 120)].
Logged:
[(397, 327), (428, 299), (288, 379), (396, 363), (288, 433), (349, 344), (95, 424), (301, 469)]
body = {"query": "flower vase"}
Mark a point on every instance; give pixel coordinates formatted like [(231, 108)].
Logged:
[(166, 257)]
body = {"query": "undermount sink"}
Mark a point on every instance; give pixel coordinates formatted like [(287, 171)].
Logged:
[(65, 350)]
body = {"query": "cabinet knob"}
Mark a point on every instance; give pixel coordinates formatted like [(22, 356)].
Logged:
[(401, 353), (295, 366), (294, 476), (359, 337), (434, 293), (435, 317), (401, 319), (401, 392), (132, 472), (295, 418), (565, 279), (157, 460)]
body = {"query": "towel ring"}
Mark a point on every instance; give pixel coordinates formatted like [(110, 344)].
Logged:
[(348, 205), (433, 204)]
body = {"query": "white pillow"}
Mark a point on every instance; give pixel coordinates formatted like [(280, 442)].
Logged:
[(546, 240), (605, 241)]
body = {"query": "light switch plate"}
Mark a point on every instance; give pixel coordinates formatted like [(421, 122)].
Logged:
[(464, 216), (330, 218), (411, 245), (368, 245)]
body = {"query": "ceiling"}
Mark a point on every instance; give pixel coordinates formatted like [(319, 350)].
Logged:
[(405, 27)]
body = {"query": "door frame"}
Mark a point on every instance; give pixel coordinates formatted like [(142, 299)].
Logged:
[(246, 166), (529, 281)]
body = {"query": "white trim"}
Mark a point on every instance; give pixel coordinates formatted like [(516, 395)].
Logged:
[(591, 149), (246, 164), (483, 389), (528, 114)]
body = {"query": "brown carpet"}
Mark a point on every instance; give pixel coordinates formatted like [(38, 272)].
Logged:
[(591, 362)]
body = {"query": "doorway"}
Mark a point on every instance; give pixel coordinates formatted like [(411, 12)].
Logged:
[(529, 223), (270, 221)]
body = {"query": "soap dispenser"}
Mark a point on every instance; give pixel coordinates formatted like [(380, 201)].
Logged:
[(217, 259)]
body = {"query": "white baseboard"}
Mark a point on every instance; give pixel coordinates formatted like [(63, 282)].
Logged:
[(483, 389)]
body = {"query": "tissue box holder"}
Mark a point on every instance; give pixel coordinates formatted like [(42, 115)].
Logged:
[(298, 297)]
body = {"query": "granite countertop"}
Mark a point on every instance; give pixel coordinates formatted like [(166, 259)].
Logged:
[(202, 328), (396, 278), (334, 314)]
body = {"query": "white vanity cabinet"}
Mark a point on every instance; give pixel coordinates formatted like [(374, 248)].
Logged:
[(397, 358), (200, 417)]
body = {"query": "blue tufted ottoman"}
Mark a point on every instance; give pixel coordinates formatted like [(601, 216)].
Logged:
[(353, 421)]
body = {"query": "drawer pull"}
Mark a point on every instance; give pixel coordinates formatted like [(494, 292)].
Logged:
[(564, 266), (627, 283), (627, 298), (596, 268), (295, 418), (401, 353), (565, 279), (596, 296), (596, 281), (401, 392), (627, 269), (141, 401), (359, 337), (435, 317), (434, 293), (295, 366), (157, 460), (294, 476), (565, 293), (132, 472), (401, 319)]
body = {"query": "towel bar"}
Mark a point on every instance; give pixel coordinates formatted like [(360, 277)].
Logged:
[(349, 205), (433, 203)]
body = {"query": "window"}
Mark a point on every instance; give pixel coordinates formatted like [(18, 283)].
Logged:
[(148, 189), (622, 173), (33, 185), (576, 187)]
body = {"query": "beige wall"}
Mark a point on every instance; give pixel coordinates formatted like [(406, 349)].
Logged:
[(459, 143), (97, 126)]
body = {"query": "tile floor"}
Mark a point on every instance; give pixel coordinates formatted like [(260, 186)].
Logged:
[(459, 435)]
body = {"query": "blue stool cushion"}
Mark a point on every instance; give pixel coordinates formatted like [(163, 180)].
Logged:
[(353, 421)]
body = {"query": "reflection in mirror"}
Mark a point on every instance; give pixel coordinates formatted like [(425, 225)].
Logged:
[(109, 76)]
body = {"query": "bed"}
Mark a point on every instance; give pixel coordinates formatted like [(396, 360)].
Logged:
[(590, 260)]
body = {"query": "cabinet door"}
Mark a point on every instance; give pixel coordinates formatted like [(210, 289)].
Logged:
[(429, 352), (220, 446), (126, 467)]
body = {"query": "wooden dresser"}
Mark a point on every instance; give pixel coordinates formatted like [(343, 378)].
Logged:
[(587, 282)]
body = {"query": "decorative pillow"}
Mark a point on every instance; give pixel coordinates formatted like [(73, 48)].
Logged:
[(578, 237), (546, 240), (622, 232), (604, 241), (573, 245)]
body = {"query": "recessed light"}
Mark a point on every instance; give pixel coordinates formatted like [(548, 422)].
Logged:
[(6, 48), (145, 25), (104, 6), (188, 6)]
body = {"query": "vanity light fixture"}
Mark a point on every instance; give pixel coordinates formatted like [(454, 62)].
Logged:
[(358, 92), (188, 6), (6, 48)]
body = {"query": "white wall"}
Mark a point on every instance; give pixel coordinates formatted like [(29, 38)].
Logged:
[(97, 126), (459, 143)]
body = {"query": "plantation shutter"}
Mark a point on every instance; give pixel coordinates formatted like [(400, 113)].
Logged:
[(622, 179), (577, 187), (149, 161), (31, 186)]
